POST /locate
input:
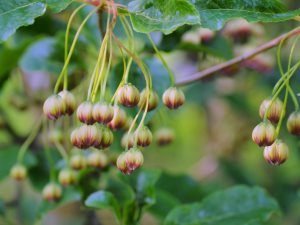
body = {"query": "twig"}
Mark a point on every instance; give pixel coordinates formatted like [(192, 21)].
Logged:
[(212, 70)]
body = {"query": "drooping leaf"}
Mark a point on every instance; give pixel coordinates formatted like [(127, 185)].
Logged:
[(162, 15), (239, 205), (215, 13), (58, 5), (102, 200), (16, 13), (167, 16)]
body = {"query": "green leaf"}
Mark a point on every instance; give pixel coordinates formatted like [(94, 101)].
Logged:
[(183, 187), (162, 15), (8, 157), (214, 14), (167, 16), (143, 182), (121, 191), (16, 13), (239, 205), (165, 202), (58, 5), (103, 200)]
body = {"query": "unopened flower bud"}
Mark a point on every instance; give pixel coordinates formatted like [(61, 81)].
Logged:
[(152, 102), (173, 98), (86, 136), (164, 136), (122, 165), (85, 112), (130, 160), (127, 141), (128, 95), (106, 139), (277, 153), (103, 113), (52, 192), (54, 107), (264, 134), (18, 172), (67, 177), (293, 123), (144, 136), (238, 29), (55, 136), (119, 119), (128, 123), (134, 158), (69, 100), (78, 162), (274, 110), (97, 159)]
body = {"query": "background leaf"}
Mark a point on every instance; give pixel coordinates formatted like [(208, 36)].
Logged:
[(15, 13), (102, 200), (239, 205), (163, 15)]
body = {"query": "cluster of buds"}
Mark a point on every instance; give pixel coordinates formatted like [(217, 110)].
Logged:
[(264, 134), (130, 160), (63, 103)]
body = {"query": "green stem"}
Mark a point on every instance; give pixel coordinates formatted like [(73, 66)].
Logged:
[(47, 152), (63, 152), (171, 74), (282, 112), (72, 48), (67, 44), (29, 140)]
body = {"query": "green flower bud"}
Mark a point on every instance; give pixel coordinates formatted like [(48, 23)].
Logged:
[(78, 162), (277, 153), (52, 192), (97, 160), (69, 101), (103, 113), (293, 123), (85, 113), (173, 98), (127, 141), (119, 119), (54, 107), (264, 134), (67, 177), (128, 95), (106, 140), (152, 102), (144, 136), (18, 172), (86, 136), (274, 110), (164, 136), (134, 159)]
